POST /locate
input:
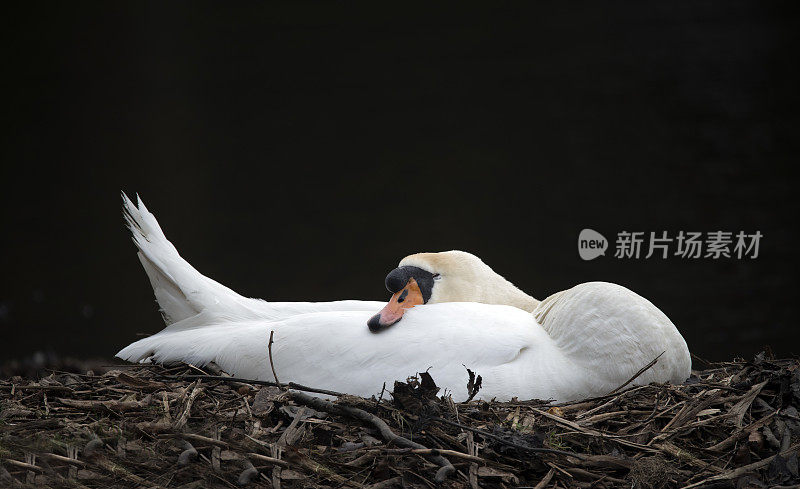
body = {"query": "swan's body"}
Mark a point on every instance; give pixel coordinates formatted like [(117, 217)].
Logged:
[(578, 343), (505, 345)]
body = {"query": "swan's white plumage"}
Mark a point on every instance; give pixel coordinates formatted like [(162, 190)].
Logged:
[(611, 330), (183, 292), (505, 345), (581, 342)]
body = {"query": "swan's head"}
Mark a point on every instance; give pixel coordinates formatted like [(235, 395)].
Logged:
[(449, 276)]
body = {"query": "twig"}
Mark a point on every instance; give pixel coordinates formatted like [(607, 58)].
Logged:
[(194, 437), (288, 437), (703, 360), (435, 451), (684, 456), (486, 434), (730, 475), (23, 465), (270, 460), (640, 372), (67, 460), (271, 364), (187, 410), (472, 448), (741, 433), (290, 385), (687, 412), (120, 471), (380, 397), (592, 432), (743, 405), (60, 388), (112, 405), (546, 479), (446, 468), (290, 434), (556, 467)]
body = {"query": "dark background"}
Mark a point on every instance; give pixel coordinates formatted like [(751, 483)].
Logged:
[(297, 151)]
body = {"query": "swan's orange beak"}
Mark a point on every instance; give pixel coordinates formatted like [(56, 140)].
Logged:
[(406, 298)]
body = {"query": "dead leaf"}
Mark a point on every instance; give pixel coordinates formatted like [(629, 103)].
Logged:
[(264, 401)]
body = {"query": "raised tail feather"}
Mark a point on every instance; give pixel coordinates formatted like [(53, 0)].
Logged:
[(181, 291)]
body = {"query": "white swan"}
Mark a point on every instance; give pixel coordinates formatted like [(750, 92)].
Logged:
[(578, 343)]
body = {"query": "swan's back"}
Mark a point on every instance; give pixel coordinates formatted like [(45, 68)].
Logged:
[(614, 332)]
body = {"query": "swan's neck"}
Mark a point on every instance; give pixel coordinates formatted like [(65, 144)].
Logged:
[(482, 284), (512, 296), (495, 289)]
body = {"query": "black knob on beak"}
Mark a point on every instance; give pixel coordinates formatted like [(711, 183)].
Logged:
[(374, 323), (397, 279)]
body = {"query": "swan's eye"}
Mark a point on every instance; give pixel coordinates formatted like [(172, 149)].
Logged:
[(436, 276)]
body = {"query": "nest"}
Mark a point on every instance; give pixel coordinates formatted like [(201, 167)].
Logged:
[(735, 424)]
